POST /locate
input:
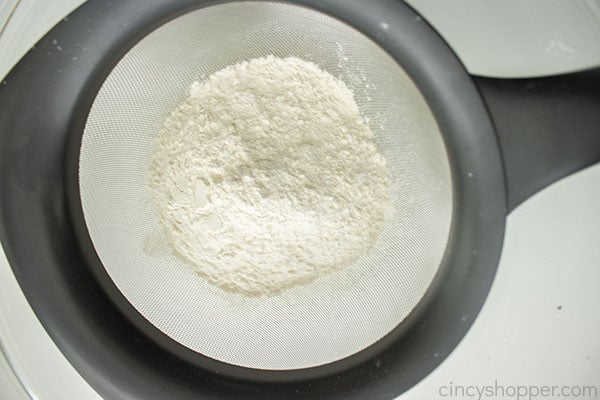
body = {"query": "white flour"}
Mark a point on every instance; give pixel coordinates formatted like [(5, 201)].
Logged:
[(266, 177)]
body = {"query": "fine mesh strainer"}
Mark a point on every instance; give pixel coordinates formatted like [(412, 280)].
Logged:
[(77, 222), (319, 323)]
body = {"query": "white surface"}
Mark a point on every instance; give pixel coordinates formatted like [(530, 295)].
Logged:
[(505, 38), (10, 387), (551, 256), (550, 260), (7, 7)]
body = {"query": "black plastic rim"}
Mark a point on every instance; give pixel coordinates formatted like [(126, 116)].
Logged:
[(44, 104)]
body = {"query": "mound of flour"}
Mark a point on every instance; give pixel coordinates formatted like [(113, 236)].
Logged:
[(266, 176)]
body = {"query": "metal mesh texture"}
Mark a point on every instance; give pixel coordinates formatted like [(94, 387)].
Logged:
[(336, 315)]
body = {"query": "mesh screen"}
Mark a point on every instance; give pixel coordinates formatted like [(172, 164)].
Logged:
[(336, 315)]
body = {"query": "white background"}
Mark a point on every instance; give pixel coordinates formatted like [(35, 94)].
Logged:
[(540, 324)]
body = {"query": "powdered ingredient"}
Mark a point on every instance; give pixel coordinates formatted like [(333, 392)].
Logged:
[(267, 176)]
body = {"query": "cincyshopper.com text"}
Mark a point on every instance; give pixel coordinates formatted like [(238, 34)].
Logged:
[(518, 392)]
